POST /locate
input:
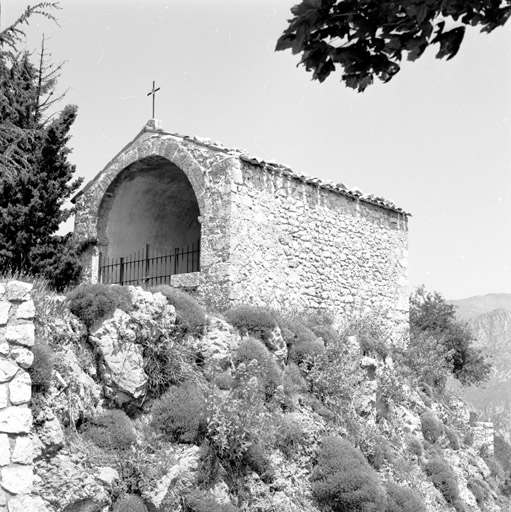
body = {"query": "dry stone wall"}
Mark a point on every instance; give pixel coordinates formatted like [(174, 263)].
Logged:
[(16, 341), (296, 245)]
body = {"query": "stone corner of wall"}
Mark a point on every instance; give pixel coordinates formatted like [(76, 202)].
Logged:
[(17, 336)]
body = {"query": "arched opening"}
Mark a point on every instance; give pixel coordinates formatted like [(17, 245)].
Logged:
[(149, 211)]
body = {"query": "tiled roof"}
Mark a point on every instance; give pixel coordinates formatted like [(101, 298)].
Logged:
[(271, 166), (154, 126)]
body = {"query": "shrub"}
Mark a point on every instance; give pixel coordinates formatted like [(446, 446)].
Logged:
[(179, 414), (444, 479), (290, 435), (202, 501), (130, 503), (479, 489), (267, 372), (403, 499), (293, 380), (111, 430), (253, 320), (343, 479), (379, 453), (415, 446), (431, 427), (453, 439), (91, 302), (238, 431), (190, 314), (41, 371), (302, 343), (168, 361), (224, 380)]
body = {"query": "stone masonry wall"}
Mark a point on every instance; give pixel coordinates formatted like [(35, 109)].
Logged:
[(295, 245), (16, 340)]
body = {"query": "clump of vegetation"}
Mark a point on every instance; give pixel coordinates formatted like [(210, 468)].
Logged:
[(343, 479), (453, 438), (239, 431), (289, 435), (444, 479), (432, 428), (190, 314), (253, 320), (179, 415), (431, 315), (41, 371), (130, 503), (92, 302), (415, 446), (203, 501), (168, 359), (266, 371), (111, 430), (480, 490), (403, 499)]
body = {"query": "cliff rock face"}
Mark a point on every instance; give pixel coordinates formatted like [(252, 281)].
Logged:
[(493, 334), (237, 424)]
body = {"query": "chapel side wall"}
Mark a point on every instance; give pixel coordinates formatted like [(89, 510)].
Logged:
[(297, 246)]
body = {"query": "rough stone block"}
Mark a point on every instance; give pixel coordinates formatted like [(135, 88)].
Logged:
[(2, 289), (4, 395), (5, 450), (15, 420), (23, 450), (22, 334), (4, 348), (17, 479), (190, 280), (26, 503), (18, 291), (4, 312), (22, 355), (26, 310), (20, 388), (7, 370)]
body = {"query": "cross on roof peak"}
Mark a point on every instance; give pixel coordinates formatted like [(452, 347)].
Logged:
[(153, 94)]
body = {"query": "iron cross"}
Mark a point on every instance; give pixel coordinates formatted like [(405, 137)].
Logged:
[(153, 93)]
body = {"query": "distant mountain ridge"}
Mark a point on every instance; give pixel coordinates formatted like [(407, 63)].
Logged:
[(489, 317), (480, 304)]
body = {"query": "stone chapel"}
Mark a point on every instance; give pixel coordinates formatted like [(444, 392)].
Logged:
[(235, 229)]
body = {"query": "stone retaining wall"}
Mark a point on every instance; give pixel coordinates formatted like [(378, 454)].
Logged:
[(16, 341)]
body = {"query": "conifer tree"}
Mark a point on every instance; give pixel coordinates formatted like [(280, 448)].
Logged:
[(36, 177)]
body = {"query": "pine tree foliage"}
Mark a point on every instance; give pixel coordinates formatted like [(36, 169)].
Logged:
[(36, 177)]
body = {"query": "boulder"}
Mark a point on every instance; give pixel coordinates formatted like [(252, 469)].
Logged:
[(218, 343)]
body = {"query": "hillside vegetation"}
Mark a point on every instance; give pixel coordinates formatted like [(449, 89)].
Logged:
[(145, 401)]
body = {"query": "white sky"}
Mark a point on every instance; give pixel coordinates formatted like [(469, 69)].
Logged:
[(435, 140)]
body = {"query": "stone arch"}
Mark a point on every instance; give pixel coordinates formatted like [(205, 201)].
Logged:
[(149, 201), (155, 177)]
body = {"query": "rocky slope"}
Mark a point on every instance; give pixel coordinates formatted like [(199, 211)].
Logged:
[(151, 406)]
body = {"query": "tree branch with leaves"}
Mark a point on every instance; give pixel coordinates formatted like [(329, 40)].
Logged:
[(369, 38)]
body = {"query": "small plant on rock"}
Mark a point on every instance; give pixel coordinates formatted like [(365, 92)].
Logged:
[(203, 501), (179, 415), (111, 430), (444, 479), (290, 435), (129, 503), (41, 371), (266, 370), (403, 499), (253, 320), (343, 479), (432, 428), (190, 314), (92, 302)]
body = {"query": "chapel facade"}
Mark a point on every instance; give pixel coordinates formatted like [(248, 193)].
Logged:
[(235, 229)]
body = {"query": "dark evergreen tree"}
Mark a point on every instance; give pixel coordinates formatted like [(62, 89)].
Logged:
[(36, 177)]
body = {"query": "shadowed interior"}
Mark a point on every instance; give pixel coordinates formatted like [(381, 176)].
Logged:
[(151, 201)]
